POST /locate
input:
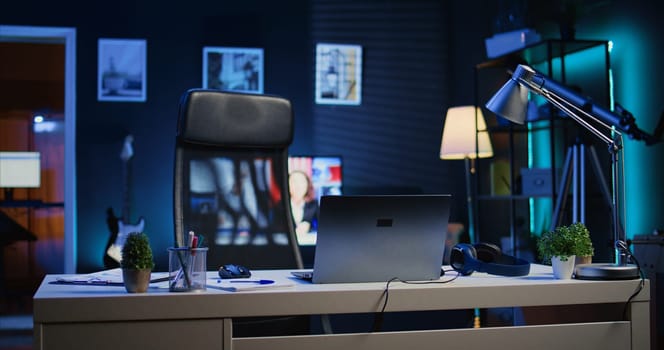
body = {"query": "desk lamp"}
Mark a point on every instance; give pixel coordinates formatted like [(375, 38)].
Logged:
[(465, 136), (510, 102)]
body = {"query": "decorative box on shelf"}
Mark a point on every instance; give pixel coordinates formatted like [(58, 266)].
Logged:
[(536, 181), (503, 43)]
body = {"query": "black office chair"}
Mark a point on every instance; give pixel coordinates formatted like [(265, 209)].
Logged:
[(231, 180), (231, 186)]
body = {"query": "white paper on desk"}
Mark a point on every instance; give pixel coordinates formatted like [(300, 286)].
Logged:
[(112, 276), (244, 284)]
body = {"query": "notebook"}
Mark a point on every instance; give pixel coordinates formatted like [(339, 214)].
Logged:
[(377, 238)]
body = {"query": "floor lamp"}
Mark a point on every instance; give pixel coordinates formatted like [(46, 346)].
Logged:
[(510, 102), (466, 137)]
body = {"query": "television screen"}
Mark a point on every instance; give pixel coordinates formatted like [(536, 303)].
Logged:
[(235, 203), (20, 169), (240, 198), (311, 177)]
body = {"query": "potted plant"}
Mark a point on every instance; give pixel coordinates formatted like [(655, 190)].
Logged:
[(561, 246), (137, 262)]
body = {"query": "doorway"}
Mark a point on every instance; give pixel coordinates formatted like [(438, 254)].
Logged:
[(66, 37)]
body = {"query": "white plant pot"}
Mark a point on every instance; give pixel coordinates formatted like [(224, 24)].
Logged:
[(563, 270)]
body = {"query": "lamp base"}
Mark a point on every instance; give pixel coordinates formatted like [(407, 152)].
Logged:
[(608, 271)]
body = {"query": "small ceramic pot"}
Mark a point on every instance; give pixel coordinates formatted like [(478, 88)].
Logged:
[(136, 281), (563, 269)]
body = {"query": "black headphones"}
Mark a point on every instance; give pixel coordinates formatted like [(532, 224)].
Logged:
[(486, 257)]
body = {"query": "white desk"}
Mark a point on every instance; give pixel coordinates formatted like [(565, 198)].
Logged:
[(87, 317)]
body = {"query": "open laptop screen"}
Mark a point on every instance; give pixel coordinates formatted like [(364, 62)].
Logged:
[(377, 238)]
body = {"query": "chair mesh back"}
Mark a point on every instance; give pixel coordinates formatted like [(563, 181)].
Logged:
[(231, 182)]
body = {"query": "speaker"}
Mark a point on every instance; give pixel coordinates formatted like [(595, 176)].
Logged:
[(486, 257)]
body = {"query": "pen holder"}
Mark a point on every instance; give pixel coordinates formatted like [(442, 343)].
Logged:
[(187, 269)]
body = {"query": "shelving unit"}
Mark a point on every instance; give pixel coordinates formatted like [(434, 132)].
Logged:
[(508, 219)]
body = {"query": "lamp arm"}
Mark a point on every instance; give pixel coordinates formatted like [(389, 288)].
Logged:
[(572, 111), (541, 83), (615, 146)]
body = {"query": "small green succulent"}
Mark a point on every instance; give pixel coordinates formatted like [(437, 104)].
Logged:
[(136, 252)]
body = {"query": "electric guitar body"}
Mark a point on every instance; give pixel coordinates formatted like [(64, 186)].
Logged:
[(120, 227), (113, 254)]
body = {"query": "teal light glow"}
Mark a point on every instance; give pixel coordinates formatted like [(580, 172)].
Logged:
[(584, 70), (539, 156), (531, 201), (612, 98), (637, 94), (635, 63)]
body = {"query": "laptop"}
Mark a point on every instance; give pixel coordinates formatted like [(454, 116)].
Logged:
[(380, 237)]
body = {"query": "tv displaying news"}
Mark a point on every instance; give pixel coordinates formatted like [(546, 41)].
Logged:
[(311, 177)]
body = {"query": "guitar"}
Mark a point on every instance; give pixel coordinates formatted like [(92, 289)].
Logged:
[(120, 228)]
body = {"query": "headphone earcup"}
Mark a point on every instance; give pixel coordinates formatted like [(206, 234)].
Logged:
[(463, 258), (486, 257), (487, 252)]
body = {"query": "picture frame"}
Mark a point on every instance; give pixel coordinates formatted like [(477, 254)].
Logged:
[(238, 69), (122, 70), (338, 74)]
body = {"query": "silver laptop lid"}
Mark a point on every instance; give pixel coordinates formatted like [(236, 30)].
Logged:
[(377, 238)]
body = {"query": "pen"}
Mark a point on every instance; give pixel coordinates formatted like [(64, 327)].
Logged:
[(191, 239), (194, 245), (253, 281), (181, 271), (90, 282)]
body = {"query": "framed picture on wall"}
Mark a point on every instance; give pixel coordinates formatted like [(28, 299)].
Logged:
[(338, 74), (233, 69), (121, 72)]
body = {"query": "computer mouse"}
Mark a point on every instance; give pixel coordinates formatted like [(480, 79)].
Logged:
[(234, 271)]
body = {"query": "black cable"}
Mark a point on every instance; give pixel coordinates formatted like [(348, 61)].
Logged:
[(623, 247), (378, 319)]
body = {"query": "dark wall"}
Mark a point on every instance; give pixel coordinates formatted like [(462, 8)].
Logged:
[(390, 143), (175, 38), (175, 43), (418, 61)]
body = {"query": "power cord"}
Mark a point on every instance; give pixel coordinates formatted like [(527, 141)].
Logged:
[(378, 319), (622, 246)]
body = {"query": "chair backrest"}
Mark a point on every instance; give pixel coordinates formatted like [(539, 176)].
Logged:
[(231, 181)]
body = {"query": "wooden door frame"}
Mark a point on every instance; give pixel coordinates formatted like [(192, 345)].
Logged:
[(66, 36)]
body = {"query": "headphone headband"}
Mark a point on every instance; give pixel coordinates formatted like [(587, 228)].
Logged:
[(486, 257)]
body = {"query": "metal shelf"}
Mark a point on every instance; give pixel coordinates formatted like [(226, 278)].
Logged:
[(542, 52)]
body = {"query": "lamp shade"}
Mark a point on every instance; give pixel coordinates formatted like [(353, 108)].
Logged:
[(460, 133), (510, 102)]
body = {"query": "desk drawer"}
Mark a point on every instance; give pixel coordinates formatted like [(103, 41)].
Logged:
[(601, 335), (177, 334)]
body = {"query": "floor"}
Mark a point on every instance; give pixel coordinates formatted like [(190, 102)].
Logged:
[(16, 317), (16, 332)]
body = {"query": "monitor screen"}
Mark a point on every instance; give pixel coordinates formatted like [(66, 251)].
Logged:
[(311, 177), (20, 170)]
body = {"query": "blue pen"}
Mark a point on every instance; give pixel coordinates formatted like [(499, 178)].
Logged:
[(253, 281)]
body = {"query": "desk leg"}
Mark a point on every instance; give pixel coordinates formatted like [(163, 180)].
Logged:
[(227, 334), (639, 316)]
